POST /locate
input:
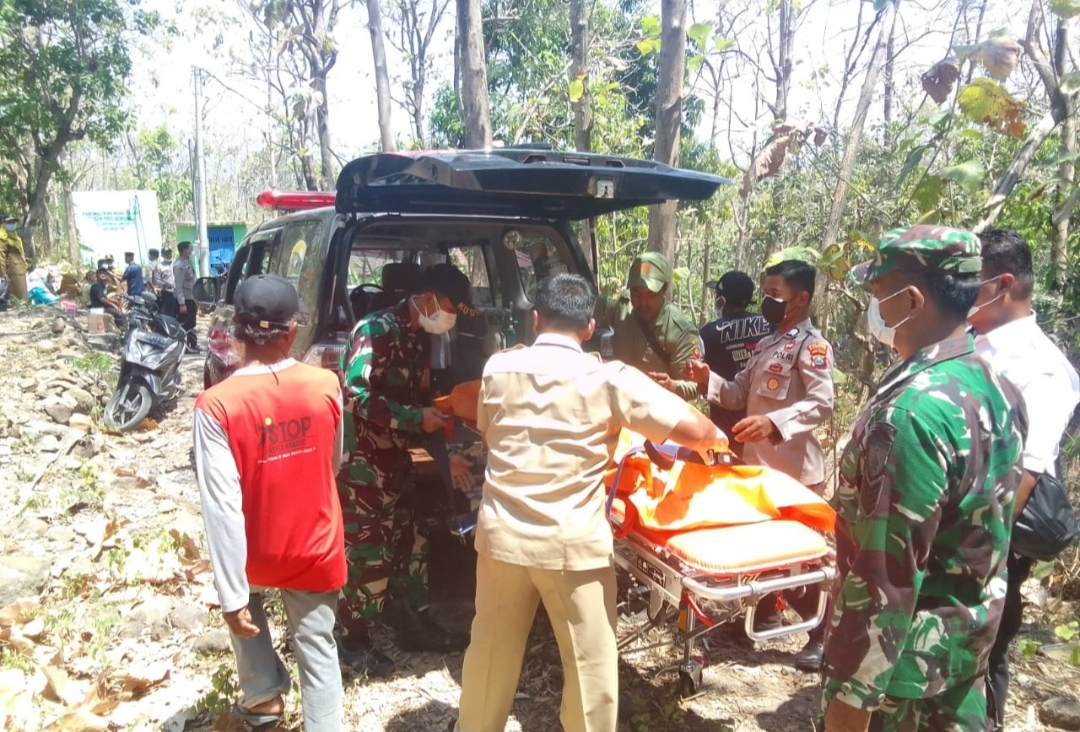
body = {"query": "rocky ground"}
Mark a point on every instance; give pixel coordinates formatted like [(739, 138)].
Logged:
[(109, 617)]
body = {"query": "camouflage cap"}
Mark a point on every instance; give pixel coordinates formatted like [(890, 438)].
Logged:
[(922, 248), (650, 270)]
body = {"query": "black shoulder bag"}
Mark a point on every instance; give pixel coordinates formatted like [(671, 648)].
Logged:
[(1047, 524)]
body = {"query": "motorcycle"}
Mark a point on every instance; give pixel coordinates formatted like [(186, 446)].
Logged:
[(153, 346)]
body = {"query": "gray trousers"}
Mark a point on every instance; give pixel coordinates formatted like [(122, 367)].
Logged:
[(263, 676)]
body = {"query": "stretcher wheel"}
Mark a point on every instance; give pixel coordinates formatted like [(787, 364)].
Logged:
[(690, 678)]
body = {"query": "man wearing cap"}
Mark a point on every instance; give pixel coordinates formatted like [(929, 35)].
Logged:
[(730, 339), (268, 442), (163, 282), (184, 283), (133, 275), (12, 257), (386, 367), (651, 334), (925, 501)]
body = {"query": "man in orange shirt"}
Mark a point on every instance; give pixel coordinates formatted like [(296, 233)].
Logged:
[(268, 443)]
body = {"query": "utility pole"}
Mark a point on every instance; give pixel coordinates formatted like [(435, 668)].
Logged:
[(203, 245)]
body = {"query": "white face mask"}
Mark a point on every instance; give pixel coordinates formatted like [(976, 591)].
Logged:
[(874, 322), (437, 324), (976, 308)]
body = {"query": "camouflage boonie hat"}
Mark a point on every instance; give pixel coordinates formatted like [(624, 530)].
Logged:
[(922, 248)]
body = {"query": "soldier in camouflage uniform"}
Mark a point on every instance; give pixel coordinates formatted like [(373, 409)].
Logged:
[(386, 369), (926, 491)]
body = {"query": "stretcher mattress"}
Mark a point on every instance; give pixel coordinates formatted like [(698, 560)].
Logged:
[(740, 549)]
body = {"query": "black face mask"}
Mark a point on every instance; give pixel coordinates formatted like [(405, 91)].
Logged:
[(773, 310)]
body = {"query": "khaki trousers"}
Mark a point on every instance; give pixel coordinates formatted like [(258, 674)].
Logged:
[(581, 607)]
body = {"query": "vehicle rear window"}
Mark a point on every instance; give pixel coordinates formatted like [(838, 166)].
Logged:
[(472, 262), (366, 265), (537, 257)]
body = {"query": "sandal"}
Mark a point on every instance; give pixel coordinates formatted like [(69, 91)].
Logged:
[(254, 720)]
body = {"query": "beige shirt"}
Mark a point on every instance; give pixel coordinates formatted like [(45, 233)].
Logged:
[(551, 416), (789, 380)]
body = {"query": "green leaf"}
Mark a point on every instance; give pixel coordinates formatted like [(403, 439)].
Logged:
[(987, 102), (968, 175), (650, 26), (1067, 632), (648, 45), (577, 89), (694, 63), (722, 44), (1028, 648), (806, 254), (680, 274), (1042, 570), (928, 193), (1074, 659), (1065, 9), (699, 34), (913, 159)]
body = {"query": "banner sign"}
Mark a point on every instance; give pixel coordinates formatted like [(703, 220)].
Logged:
[(114, 222)]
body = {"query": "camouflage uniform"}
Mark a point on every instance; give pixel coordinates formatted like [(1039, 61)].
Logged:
[(926, 491), (386, 368)]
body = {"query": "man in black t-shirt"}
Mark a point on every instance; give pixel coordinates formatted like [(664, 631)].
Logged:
[(730, 339), (100, 299)]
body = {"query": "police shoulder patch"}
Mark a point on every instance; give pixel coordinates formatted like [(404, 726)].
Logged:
[(819, 354), (875, 482)]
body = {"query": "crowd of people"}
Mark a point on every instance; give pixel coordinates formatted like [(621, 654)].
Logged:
[(302, 477)]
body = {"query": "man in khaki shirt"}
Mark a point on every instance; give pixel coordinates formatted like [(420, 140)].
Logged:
[(551, 416)]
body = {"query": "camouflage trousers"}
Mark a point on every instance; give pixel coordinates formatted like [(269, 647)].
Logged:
[(961, 708), (386, 554)]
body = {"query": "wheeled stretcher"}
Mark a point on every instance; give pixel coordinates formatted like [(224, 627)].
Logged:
[(701, 578)]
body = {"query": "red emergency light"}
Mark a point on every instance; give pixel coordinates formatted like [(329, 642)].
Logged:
[(295, 200)]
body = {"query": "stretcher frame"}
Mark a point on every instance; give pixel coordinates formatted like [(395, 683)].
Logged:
[(675, 589)]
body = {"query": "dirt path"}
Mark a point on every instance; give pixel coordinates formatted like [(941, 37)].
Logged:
[(117, 628)]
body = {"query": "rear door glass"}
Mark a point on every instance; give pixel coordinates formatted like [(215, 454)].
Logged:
[(366, 265), (473, 262), (537, 257)]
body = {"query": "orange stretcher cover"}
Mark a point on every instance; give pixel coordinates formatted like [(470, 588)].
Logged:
[(691, 496), (461, 402), (730, 550)]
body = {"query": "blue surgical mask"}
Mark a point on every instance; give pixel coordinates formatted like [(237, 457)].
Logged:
[(11, 226)]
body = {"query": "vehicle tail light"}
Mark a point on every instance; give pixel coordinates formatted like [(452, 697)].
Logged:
[(325, 355), (220, 342), (295, 200)]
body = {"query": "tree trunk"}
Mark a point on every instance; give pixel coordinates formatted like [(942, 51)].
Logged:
[(382, 77), (851, 147), (890, 91), (669, 100), (1059, 240), (476, 114), (72, 230), (782, 66), (322, 126), (579, 70)]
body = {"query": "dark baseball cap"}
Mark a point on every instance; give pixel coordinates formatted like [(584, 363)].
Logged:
[(736, 287), (266, 301), (450, 282)]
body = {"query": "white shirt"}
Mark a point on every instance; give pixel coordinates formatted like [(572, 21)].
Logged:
[(1022, 353)]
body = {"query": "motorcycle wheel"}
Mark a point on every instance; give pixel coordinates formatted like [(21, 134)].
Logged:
[(128, 407)]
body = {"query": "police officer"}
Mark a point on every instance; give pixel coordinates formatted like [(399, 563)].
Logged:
[(387, 367), (184, 279), (925, 498), (787, 392), (729, 340), (1009, 338), (551, 415), (12, 257), (163, 282), (651, 334)]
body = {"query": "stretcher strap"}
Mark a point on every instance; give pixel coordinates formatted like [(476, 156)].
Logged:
[(701, 616)]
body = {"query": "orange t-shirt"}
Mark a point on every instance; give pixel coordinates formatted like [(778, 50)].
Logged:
[(282, 427)]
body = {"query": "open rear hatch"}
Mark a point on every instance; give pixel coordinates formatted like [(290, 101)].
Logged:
[(513, 182)]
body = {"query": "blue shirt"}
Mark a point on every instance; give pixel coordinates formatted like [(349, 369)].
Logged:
[(134, 279)]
